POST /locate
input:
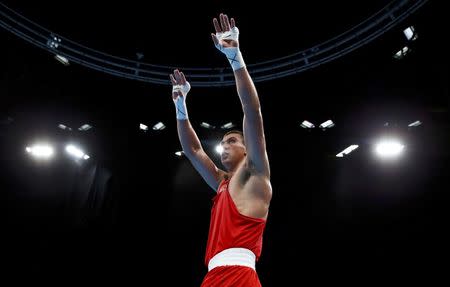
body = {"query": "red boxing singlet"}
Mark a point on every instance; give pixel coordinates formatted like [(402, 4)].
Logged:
[(230, 229)]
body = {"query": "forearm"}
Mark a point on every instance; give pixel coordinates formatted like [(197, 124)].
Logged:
[(188, 138), (247, 92)]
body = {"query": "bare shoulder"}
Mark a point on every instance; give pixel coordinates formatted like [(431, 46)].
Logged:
[(223, 175)]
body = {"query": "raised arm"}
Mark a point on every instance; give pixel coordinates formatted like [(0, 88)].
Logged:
[(190, 143), (226, 40)]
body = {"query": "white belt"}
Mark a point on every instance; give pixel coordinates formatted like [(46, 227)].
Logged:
[(233, 256)]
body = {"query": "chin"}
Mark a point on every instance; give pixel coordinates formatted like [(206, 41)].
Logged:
[(226, 162)]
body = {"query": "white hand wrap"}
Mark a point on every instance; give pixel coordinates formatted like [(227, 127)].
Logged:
[(180, 101), (233, 54)]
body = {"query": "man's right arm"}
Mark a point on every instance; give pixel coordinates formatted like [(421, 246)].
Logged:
[(190, 143), (194, 152)]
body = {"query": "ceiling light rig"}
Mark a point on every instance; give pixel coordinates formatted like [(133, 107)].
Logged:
[(357, 36)]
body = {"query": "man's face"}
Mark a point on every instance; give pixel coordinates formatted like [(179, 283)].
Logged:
[(233, 149)]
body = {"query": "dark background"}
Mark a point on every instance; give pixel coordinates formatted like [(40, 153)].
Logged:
[(136, 212)]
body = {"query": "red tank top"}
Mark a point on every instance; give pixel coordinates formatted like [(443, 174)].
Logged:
[(230, 229)]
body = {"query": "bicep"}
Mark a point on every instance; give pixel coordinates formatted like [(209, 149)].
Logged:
[(255, 142), (206, 168)]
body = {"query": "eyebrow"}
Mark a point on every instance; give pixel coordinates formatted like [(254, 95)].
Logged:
[(221, 143)]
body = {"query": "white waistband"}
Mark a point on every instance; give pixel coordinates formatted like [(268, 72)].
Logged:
[(233, 256)]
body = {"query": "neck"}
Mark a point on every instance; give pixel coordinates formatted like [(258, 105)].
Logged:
[(232, 170)]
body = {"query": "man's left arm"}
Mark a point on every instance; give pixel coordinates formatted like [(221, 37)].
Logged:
[(253, 127), (226, 40)]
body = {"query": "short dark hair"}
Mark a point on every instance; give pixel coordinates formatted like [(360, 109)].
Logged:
[(235, 132)]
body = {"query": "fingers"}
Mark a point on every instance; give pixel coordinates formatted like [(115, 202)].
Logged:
[(222, 22), (217, 26), (172, 80), (214, 38), (226, 22), (178, 77), (183, 79)]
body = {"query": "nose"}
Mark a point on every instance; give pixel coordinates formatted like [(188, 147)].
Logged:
[(225, 146)]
